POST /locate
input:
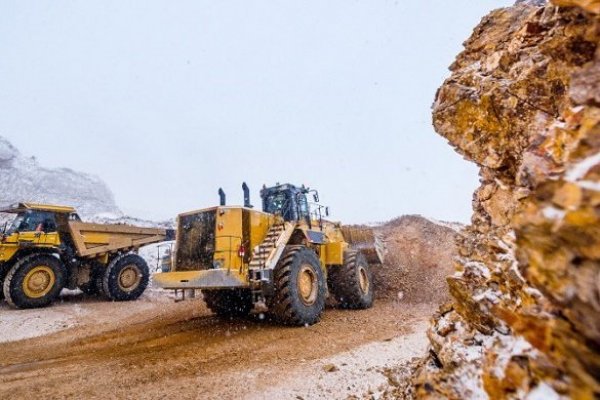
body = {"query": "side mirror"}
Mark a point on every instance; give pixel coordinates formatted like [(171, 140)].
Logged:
[(327, 211), (316, 197)]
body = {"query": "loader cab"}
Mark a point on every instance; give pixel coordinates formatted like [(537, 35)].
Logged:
[(286, 200)]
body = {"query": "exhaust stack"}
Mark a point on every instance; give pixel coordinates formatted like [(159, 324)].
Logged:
[(221, 197), (246, 190)]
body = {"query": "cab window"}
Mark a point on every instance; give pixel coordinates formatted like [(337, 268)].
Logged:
[(302, 206), (34, 221), (275, 203)]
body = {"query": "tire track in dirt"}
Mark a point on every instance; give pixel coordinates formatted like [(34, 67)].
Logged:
[(182, 350)]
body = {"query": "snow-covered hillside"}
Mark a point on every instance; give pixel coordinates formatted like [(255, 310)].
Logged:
[(23, 179)]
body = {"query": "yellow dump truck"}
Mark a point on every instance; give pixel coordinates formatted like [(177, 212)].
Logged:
[(286, 256), (47, 248)]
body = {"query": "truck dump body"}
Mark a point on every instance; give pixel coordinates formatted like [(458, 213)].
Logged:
[(94, 239)]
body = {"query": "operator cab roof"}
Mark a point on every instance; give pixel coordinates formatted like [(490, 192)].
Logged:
[(285, 186), (20, 207)]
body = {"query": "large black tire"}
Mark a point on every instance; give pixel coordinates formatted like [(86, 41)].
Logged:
[(352, 283), (4, 268), (300, 287), (126, 277), (229, 303), (93, 286), (34, 281)]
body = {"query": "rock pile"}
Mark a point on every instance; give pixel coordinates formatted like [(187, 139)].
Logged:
[(523, 102), (419, 254)]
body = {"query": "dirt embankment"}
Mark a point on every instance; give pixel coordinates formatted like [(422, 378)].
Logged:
[(419, 257)]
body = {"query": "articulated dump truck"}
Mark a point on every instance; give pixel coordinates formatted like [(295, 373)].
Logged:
[(286, 256), (47, 248)]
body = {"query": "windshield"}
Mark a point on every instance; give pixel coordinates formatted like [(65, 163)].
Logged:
[(8, 220), (275, 203), (289, 204), (30, 221)]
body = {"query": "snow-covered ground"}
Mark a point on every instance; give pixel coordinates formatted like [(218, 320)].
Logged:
[(360, 370), (72, 309), (25, 324)]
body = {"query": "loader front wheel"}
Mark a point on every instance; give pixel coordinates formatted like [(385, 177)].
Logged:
[(229, 303), (300, 287), (125, 278), (34, 281), (352, 283)]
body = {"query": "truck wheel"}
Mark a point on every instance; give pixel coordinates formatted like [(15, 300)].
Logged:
[(4, 268), (125, 278), (352, 283), (229, 303), (34, 281), (299, 285)]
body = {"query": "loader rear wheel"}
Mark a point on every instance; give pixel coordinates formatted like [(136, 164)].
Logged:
[(229, 303), (300, 288), (125, 278), (352, 284), (34, 281)]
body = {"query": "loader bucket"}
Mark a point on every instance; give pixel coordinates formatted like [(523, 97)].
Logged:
[(367, 241)]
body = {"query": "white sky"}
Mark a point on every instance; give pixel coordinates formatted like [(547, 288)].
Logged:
[(169, 100)]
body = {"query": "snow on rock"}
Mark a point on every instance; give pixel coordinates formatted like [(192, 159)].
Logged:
[(543, 392), (455, 226), (109, 218), (579, 170), (522, 103), (23, 179)]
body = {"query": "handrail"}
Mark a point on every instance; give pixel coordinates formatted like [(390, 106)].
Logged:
[(169, 247), (314, 209)]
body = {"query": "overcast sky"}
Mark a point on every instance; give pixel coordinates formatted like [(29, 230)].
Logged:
[(169, 100)]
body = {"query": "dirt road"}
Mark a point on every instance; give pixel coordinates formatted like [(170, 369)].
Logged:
[(179, 350)]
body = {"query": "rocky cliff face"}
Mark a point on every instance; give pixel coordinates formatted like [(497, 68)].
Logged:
[(23, 179), (523, 102)]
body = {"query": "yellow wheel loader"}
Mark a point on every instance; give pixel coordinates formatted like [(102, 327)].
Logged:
[(47, 248), (286, 256)]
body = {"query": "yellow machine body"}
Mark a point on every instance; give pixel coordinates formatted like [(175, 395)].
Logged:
[(215, 246), (48, 247), (285, 257), (89, 240)]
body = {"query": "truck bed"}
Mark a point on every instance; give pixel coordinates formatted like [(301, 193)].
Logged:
[(94, 239)]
